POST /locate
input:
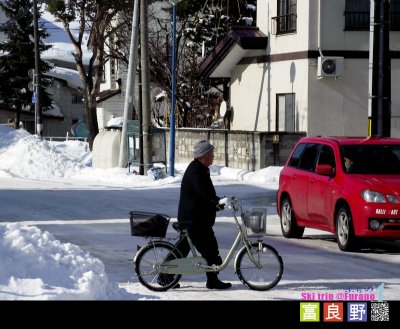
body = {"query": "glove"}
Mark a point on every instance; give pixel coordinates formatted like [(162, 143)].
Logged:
[(223, 200), (220, 206)]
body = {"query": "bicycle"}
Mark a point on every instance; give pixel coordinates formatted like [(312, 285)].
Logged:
[(257, 264)]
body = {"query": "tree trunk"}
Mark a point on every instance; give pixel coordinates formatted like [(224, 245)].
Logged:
[(17, 119), (91, 118)]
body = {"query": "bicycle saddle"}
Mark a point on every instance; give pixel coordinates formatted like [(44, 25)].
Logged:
[(179, 226)]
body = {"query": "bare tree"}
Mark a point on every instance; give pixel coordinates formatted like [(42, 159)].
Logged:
[(200, 26), (97, 19)]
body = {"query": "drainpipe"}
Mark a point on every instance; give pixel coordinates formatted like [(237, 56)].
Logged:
[(319, 28)]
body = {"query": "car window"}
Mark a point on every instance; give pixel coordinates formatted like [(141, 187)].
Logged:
[(371, 159), (295, 158), (308, 158), (326, 156)]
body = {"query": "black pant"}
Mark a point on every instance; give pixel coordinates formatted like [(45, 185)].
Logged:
[(204, 240)]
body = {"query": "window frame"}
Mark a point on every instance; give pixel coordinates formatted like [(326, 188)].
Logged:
[(287, 109), (286, 19)]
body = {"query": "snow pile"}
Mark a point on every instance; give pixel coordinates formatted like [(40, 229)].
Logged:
[(52, 270), (30, 157)]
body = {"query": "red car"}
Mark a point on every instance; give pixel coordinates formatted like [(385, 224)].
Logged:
[(349, 186)]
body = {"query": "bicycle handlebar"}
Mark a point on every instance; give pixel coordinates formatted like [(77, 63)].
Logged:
[(233, 203)]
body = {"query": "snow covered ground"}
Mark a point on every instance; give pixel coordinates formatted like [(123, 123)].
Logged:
[(35, 265), (64, 232)]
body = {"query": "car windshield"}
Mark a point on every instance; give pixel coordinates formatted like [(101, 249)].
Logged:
[(371, 159)]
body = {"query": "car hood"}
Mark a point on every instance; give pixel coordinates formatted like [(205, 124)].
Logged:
[(379, 183)]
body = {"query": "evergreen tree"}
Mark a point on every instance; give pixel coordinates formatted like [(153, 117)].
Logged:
[(17, 57)]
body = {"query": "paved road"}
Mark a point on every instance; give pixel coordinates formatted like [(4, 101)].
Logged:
[(97, 219)]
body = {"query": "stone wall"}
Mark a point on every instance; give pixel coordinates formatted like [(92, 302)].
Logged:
[(236, 149)]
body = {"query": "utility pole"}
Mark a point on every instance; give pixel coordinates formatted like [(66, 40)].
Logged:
[(146, 104), (140, 116), (130, 86), (172, 117), (36, 79), (379, 104)]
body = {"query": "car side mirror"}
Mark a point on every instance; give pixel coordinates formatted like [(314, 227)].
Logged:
[(325, 169)]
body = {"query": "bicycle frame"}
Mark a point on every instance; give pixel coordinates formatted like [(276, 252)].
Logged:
[(198, 265)]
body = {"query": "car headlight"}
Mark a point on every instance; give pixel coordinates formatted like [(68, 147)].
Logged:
[(373, 196)]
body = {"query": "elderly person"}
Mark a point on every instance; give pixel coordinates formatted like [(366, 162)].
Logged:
[(198, 204)]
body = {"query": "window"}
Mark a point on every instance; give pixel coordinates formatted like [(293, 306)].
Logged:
[(357, 159), (295, 158), (286, 21), (285, 112), (76, 99), (395, 15), (357, 15), (326, 157), (307, 161)]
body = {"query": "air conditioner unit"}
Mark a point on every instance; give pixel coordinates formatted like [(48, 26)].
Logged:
[(330, 67)]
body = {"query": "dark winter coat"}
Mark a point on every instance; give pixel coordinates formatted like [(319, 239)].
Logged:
[(198, 199)]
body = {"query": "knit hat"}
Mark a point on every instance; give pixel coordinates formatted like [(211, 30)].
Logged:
[(201, 148)]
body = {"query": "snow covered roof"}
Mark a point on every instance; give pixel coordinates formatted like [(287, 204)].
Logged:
[(70, 76)]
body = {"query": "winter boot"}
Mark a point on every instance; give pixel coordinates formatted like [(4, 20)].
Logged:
[(214, 283)]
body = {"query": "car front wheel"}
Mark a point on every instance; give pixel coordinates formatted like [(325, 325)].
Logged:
[(288, 221), (344, 230)]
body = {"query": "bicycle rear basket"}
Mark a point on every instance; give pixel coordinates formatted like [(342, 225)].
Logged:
[(255, 221), (148, 224)]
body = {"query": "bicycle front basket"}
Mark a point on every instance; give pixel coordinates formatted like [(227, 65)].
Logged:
[(255, 221), (148, 224)]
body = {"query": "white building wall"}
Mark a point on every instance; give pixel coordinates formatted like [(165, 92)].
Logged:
[(292, 77), (114, 106), (250, 98), (287, 43), (323, 106)]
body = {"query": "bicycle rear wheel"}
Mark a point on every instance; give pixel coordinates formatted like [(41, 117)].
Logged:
[(262, 277), (148, 262)]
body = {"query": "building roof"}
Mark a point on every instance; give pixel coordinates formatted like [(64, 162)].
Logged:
[(231, 49), (106, 94)]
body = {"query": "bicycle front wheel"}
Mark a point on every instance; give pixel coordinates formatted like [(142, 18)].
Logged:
[(264, 275), (148, 262)]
